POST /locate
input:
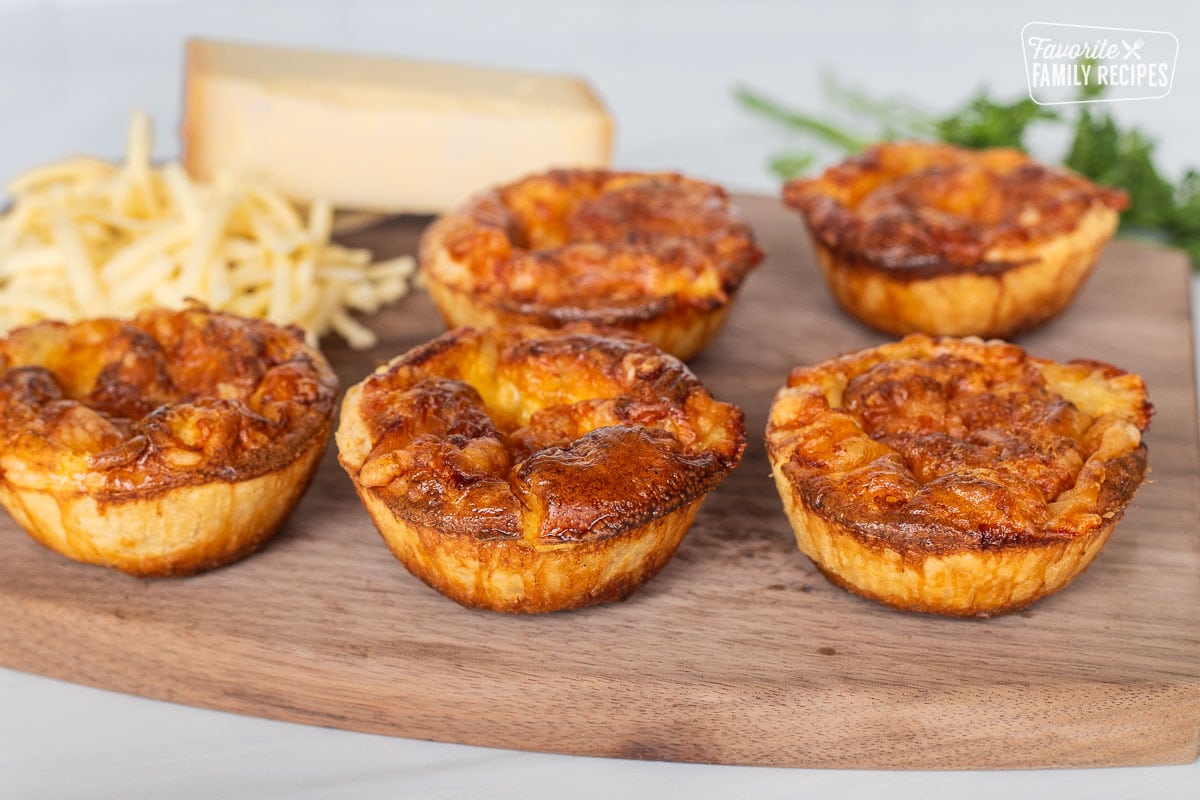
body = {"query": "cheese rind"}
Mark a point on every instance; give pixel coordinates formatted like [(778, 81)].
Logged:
[(379, 134)]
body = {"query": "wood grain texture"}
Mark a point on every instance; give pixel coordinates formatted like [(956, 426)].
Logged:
[(739, 652)]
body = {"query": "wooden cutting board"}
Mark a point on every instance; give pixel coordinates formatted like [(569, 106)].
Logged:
[(739, 652)]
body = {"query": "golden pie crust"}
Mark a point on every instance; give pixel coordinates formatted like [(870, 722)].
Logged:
[(931, 238), (528, 470), (656, 254), (176, 442), (956, 476)]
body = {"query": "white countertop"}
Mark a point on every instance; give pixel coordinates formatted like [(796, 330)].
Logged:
[(71, 72)]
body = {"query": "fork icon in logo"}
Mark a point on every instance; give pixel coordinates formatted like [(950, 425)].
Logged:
[(1126, 63), (1132, 49)]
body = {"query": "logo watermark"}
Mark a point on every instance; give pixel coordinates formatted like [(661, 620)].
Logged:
[(1088, 64)]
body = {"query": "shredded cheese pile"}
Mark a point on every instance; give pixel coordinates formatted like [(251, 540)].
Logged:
[(85, 238)]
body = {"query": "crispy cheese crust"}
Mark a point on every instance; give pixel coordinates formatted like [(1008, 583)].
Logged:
[(175, 442), (656, 254), (915, 237), (956, 476), (529, 470)]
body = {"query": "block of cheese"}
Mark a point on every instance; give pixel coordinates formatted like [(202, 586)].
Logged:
[(378, 134)]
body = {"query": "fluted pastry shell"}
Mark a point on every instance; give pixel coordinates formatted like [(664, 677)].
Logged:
[(656, 254), (175, 442), (528, 470), (956, 476), (916, 237)]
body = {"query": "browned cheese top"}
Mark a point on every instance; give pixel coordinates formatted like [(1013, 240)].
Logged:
[(595, 245), (118, 408), (551, 437), (932, 445), (918, 209)]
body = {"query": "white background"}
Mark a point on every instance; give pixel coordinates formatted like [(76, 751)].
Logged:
[(71, 73)]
